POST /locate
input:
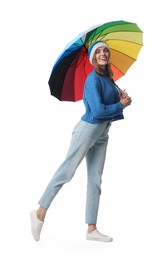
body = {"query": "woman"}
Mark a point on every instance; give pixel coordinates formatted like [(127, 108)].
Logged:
[(104, 104)]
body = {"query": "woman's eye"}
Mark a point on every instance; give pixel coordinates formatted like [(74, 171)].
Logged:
[(105, 50)]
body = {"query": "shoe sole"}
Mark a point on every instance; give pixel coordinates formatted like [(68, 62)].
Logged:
[(99, 240)]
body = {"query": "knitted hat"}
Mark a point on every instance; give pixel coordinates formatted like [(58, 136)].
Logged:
[(92, 48)]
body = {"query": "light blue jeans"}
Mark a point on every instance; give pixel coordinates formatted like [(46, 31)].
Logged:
[(90, 141)]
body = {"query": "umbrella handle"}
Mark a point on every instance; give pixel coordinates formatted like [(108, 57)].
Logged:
[(121, 91)]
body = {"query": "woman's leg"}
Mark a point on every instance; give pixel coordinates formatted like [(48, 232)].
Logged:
[(85, 141), (95, 164), (84, 137), (95, 159), (79, 146)]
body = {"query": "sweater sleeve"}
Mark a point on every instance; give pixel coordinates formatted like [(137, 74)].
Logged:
[(98, 108)]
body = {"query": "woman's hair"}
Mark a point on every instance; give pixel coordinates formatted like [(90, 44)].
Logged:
[(98, 70)]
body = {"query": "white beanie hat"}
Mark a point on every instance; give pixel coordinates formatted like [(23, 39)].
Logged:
[(92, 48)]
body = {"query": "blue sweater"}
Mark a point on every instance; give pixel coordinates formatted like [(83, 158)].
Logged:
[(101, 99)]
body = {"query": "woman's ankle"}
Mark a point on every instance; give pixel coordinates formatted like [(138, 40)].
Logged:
[(91, 227), (41, 213)]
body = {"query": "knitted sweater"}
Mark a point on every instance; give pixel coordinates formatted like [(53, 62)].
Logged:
[(101, 99)]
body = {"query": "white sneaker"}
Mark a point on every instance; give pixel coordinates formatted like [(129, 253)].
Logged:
[(97, 236), (36, 225)]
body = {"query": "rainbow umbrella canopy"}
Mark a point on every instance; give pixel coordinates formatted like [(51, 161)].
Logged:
[(71, 68)]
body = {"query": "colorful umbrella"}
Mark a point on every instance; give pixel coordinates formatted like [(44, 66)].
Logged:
[(70, 70)]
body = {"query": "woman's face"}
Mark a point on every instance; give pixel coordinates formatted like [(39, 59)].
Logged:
[(102, 55)]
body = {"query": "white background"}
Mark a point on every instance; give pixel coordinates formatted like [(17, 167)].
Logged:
[(36, 128)]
